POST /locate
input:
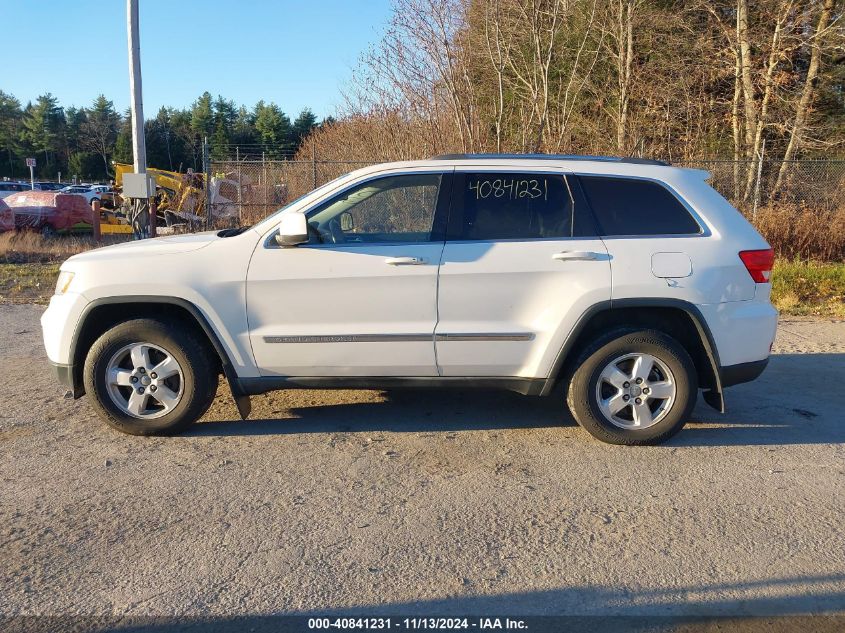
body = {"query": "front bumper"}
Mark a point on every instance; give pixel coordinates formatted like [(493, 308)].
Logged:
[(58, 325), (66, 377)]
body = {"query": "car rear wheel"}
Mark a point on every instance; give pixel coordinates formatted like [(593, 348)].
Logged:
[(148, 377), (633, 387)]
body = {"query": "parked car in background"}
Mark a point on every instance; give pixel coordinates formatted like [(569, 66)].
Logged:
[(630, 283), (84, 191), (50, 212), (108, 197), (8, 188), (48, 186)]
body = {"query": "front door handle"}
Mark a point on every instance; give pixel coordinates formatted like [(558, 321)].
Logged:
[(575, 256), (404, 261)]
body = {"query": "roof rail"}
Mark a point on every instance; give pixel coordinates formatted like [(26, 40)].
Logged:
[(605, 159)]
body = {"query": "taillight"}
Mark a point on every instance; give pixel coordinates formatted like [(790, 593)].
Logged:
[(759, 264)]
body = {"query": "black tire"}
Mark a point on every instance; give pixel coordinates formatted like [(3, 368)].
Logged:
[(582, 396), (48, 232), (199, 375)]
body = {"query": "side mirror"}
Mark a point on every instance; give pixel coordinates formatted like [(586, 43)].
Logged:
[(347, 222), (293, 230)]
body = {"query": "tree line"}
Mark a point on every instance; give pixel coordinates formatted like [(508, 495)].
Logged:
[(669, 79), (83, 142)]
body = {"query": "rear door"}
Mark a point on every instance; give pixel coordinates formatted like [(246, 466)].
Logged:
[(521, 264)]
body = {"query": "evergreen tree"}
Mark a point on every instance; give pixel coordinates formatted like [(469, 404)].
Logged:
[(84, 166), (44, 126), (202, 116), (243, 133), (188, 141), (100, 130), (225, 115), (123, 143), (74, 120), (65, 140), (10, 133), (302, 126), (155, 132), (274, 130)]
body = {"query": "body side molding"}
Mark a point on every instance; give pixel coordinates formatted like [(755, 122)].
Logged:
[(400, 338)]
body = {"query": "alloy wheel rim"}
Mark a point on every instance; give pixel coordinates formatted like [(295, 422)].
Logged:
[(144, 381), (636, 391)]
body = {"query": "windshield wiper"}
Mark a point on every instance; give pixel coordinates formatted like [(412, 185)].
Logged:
[(232, 232)]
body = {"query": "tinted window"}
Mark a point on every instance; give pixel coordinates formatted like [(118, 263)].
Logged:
[(495, 206), (636, 207), (391, 209)]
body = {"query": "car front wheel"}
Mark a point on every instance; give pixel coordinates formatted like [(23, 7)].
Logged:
[(148, 377), (633, 387)]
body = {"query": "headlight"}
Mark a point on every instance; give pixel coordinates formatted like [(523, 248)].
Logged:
[(62, 283)]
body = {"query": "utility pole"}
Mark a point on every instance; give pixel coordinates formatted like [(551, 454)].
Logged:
[(139, 146), (142, 205)]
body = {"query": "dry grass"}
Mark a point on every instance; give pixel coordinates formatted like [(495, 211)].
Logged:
[(27, 283), (22, 247), (29, 263), (799, 232)]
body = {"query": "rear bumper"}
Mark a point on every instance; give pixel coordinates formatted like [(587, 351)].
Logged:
[(742, 372), (743, 331)]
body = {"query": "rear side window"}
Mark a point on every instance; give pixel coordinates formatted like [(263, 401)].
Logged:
[(502, 205), (626, 206)]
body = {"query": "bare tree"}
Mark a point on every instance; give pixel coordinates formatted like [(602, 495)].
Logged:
[(802, 110)]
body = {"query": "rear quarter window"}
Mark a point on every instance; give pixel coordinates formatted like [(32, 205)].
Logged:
[(629, 206)]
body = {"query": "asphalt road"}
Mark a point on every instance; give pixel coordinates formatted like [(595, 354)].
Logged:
[(432, 503)]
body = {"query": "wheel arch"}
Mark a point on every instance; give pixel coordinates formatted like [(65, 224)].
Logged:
[(677, 318)]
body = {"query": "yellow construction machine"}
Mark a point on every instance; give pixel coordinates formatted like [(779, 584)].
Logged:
[(181, 194)]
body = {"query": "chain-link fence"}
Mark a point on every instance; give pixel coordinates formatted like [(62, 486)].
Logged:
[(811, 184), (246, 191)]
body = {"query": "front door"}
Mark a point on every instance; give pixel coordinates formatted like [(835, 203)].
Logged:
[(360, 299), (521, 264)]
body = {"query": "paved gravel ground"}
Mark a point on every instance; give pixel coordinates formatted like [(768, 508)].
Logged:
[(427, 503)]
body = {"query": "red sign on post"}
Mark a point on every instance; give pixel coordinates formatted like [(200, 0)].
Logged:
[(30, 162)]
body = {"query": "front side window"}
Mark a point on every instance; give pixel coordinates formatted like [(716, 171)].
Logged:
[(389, 209), (628, 206), (501, 206)]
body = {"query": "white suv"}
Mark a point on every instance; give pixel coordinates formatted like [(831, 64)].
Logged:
[(631, 283)]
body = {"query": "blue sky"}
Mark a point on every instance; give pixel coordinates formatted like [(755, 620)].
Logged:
[(294, 53)]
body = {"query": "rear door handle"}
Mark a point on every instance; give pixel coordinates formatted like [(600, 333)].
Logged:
[(575, 256), (404, 261)]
